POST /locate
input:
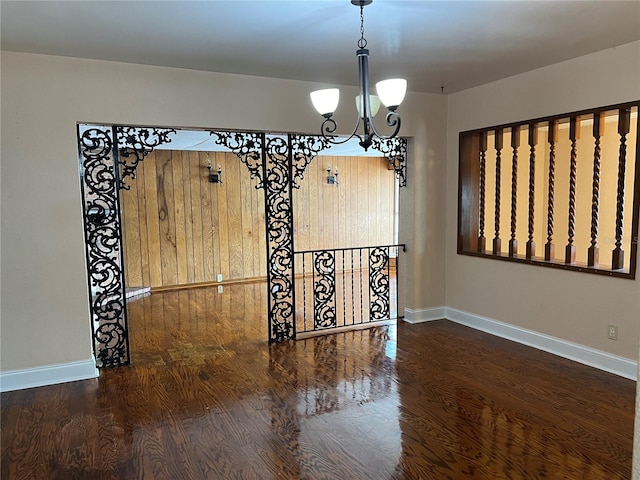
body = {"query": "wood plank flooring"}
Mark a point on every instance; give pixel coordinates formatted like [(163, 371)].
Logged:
[(207, 398)]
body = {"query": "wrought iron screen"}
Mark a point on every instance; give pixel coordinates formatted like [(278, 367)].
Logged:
[(108, 157), (346, 287)]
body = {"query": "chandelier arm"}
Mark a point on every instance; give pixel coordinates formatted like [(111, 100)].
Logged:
[(329, 126), (393, 120)]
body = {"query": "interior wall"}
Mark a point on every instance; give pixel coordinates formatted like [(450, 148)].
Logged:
[(357, 212), (45, 308), (569, 305), (180, 229)]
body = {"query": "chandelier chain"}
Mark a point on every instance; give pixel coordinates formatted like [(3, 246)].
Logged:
[(362, 43)]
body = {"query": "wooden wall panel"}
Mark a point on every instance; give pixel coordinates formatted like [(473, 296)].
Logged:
[(180, 222), (356, 212), (197, 260), (179, 229), (166, 217), (188, 217)]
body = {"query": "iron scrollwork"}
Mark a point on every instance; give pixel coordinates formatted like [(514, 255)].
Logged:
[(395, 151), (279, 218), (247, 147), (103, 238), (379, 283), (134, 144), (304, 149), (324, 290)]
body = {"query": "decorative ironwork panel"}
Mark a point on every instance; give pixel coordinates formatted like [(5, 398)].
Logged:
[(134, 144), (279, 220), (248, 147), (324, 290), (304, 149), (379, 283), (395, 151), (103, 239)]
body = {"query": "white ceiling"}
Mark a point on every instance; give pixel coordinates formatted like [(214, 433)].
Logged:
[(458, 44)]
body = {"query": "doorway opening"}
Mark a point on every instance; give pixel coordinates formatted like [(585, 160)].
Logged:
[(110, 157)]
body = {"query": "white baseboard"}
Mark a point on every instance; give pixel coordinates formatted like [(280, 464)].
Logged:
[(48, 375), (624, 367), (621, 366), (424, 315)]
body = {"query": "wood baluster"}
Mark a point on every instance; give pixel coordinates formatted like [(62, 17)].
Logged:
[(549, 247), (593, 253), (515, 143), (482, 241), (574, 135), (624, 122), (533, 140), (498, 143)]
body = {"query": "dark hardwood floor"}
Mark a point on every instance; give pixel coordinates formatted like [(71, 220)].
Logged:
[(207, 398)]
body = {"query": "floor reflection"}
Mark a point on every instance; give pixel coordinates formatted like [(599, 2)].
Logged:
[(345, 399), (206, 397)]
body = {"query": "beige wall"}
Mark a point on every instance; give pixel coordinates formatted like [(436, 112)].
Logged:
[(569, 305), (44, 300)]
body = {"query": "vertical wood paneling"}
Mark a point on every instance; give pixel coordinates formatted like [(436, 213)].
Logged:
[(207, 209), (261, 237), (247, 234), (153, 222), (343, 210), (330, 209), (218, 221), (143, 230), (180, 221), (255, 227), (223, 221), (197, 261), (230, 197), (358, 211), (310, 184), (188, 215), (180, 229), (350, 179), (131, 239), (384, 210), (166, 216), (363, 202), (301, 220)]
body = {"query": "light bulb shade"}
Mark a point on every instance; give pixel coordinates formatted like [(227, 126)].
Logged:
[(392, 91), (325, 101), (374, 103)]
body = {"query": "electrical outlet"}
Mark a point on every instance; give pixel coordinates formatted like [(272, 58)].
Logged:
[(219, 277), (220, 289), (612, 332)]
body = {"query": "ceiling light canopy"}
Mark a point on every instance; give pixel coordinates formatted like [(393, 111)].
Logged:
[(390, 92)]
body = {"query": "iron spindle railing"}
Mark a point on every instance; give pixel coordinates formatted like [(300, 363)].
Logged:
[(346, 287)]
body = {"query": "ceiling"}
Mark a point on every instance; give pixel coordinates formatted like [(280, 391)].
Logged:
[(455, 44)]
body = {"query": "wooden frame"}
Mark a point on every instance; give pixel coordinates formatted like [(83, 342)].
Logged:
[(471, 189)]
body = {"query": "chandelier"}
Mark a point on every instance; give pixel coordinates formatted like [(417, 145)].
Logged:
[(390, 92)]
